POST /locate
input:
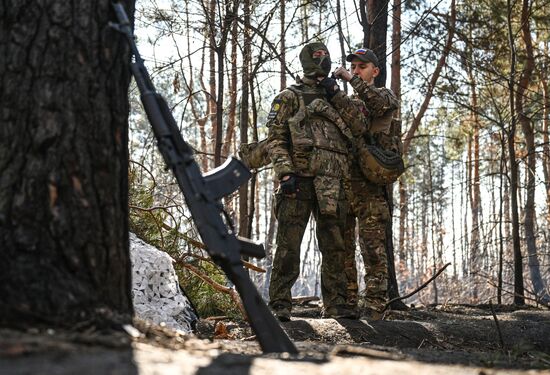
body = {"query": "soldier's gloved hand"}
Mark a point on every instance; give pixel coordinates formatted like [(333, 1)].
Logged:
[(288, 184), (330, 85), (343, 74)]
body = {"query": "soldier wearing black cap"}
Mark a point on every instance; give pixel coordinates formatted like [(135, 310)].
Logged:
[(368, 200)]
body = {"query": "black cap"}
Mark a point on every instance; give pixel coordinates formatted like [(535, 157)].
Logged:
[(363, 54)]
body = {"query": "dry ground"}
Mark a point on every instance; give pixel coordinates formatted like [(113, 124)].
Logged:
[(442, 340)]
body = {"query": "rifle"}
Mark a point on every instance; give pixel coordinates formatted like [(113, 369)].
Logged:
[(203, 194)]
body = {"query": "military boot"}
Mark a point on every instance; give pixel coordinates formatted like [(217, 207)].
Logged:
[(372, 306), (281, 312), (339, 312)]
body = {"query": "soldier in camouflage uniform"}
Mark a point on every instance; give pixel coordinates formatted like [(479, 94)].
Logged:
[(368, 200), (308, 146)]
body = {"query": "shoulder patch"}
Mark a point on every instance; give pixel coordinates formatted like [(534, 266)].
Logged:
[(275, 107)]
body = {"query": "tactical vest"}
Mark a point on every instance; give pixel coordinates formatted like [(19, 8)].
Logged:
[(320, 140)]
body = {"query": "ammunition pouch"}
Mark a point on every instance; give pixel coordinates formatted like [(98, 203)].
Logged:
[(380, 158), (255, 154)]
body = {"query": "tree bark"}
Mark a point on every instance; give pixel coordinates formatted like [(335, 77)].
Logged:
[(64, 163), (375, 31), (245, 217), (283, 46), (374, 22), (231, 118), (528, 131), (341, 40), (519, 297), (474, 186), (395, 86), (546, 144), (212, 107)]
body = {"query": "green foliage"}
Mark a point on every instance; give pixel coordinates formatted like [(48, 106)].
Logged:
[(207, 300), (146, 222)]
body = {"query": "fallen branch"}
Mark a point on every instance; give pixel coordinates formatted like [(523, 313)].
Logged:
[(248, 265), (417, 289), (220, 288), (536, 300)]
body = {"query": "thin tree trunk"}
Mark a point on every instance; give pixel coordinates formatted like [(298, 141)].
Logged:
[(201, 120), (465, 231), (528, 131), (432, 214), (404, 209), (283, 46), (453, 223), (546, 145), (474, 189), (245, 217), (305, 21), (519, 298), (212, 73), (503, 197), (341, 38), (395, 86), (232, 115)]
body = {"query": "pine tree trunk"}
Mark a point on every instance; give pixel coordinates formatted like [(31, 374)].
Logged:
[(283, 45), (211, 109), (528, 131), (519, 297), (374, 31), (546, 146), (64, 163), (474, 190), (341, 39), (432, 214), (245, 217), (501, 215), (232, 115)]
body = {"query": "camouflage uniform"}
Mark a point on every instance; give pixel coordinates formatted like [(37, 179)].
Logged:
[(307, 141), (368, 203)]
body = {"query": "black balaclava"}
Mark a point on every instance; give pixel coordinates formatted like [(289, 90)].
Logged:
[(318, 66)]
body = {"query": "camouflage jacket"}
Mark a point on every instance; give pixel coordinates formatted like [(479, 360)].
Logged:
[(373, 106), (379, 104), (308, 138)]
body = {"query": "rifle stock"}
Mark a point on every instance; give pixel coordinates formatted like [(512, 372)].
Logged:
[(202, 195)]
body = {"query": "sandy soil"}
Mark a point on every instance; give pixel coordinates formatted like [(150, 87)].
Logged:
[(441, 340)]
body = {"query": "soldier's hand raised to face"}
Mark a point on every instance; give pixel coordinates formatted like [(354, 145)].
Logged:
[(342, 73)]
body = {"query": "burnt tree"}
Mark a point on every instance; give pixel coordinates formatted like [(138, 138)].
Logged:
[(63, 164)]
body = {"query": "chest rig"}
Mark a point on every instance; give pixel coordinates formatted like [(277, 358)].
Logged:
[(320, 139)]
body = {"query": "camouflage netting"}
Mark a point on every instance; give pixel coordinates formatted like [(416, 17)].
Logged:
[(155, 289)]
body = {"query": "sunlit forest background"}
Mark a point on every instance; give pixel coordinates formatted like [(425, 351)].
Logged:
[(472, 78)]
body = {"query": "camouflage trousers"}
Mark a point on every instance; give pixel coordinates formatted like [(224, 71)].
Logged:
[(292, 217), (369, 210)]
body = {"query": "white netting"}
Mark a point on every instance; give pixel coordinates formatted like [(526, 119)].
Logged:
[(155, 288)]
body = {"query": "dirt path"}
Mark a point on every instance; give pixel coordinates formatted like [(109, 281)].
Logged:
[(453, 340)]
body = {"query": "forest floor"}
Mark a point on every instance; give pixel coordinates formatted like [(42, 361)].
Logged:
[(452, 339)]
